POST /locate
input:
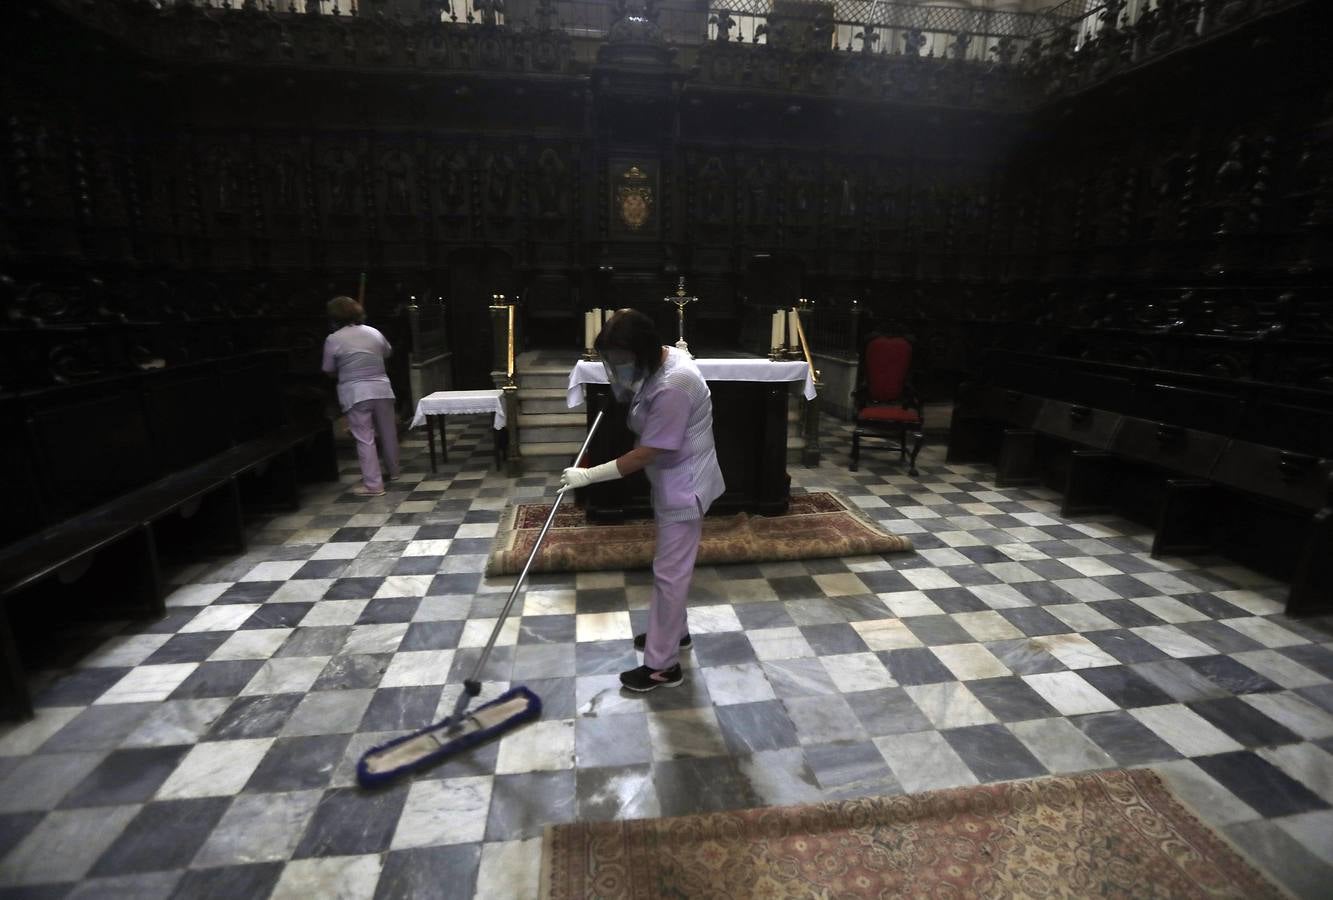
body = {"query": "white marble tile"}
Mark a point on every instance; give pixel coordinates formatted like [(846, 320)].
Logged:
[(1252, 601), (1184, 729), (713, 619), (339, 550), (124, 650), (330, 878), (885, 634), (968, 662), (214, 769), (404, 586), (541, 746), (274, 570), (227, 617), (949, 704), (1265, 631), (607, 626), (334, 612), (1166, 583), (477, 530), (602, 695), (311, 536), (924, 761), (196, 594), (383, 638), (1169, 609), (928, 579), (510, 869), (1081, 617), (1060, 746), (398, 532), (1281, 669), (1035, 519), (1173, 642), (1020, 552), (597, 580), (1085, 590), (549, 603), (22, 738), (450, 608), (958, 538), (147, 684), (918, 512), (177, 722), (742, 683), (1089, 566), (1314, 831), (779, 643), (987, 626), (1295, 712), (286, 675), (255, 643), (476, 632), (64, 846), (1069, 693), (999, 596), (905, 604), (1012, 572), (417, 667), (944, 556), (683, 733), (303, 590), (841, 584), (1074, 650), (853, 672), (258, 828)]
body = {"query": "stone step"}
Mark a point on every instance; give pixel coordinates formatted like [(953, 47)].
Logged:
[(544, 401), (549, 456), (545, 378)]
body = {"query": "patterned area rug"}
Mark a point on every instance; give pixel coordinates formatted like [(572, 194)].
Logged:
[(816, 524), (1105, 834)]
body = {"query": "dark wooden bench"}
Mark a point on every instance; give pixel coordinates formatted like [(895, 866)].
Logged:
[(118, 473), (1241, 468)]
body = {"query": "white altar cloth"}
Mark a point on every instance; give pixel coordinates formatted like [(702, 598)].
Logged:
[(585, 372), (453, 403)]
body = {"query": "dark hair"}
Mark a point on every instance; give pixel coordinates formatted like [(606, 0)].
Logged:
[(630, 331), (346, 311)]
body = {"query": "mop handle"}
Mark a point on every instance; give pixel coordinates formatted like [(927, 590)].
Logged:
[(472, 686)]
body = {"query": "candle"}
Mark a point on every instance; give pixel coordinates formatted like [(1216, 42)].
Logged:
[(588, 332), (792, 333), (776, 328)]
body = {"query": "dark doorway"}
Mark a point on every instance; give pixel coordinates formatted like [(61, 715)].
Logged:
[(474, 275)]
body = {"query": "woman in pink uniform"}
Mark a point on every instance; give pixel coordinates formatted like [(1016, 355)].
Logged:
[(355, 355), (671, 412)]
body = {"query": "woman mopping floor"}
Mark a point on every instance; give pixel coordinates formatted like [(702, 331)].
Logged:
[(671, 412)]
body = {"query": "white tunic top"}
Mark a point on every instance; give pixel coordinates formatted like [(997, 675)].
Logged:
[(357, 354), (673, 412)]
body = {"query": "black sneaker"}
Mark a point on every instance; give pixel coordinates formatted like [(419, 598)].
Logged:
[(641, 641), (644, 679)]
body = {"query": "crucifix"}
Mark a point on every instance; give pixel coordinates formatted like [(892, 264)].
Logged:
[(681, 302)]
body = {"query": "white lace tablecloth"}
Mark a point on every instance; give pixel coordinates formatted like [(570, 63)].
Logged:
[(454, 403), (713, 370)]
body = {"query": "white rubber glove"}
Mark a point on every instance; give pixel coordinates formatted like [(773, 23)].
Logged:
[(575, 477)]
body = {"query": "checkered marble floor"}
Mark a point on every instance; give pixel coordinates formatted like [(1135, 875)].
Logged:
[(211, 753)]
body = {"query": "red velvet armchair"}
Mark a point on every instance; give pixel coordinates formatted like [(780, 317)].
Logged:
[(887, 407)]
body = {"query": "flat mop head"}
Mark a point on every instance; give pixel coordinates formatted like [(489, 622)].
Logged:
[(429, 745)]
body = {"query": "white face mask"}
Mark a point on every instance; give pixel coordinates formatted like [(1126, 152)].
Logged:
[(625, 380)]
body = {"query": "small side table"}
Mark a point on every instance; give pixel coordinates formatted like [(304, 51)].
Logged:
[(434, 408)]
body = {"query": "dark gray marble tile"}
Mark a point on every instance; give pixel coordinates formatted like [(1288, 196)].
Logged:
[(915, 665), (14, 827), (1231, 675), (1125, 646), (499, 665), (887, 711), (228, 882), (751, 727), (992, 753), (401, 709), (79, 687), (1022, 657), (860, 607), (388, 610), (447, 873), (1126, 614), (1260, 784), (163, 835), (1243, 723), (350, 822), (604, 657), (957, 600), (726, 648), (321, 641), (278, 615), (558, 696), (802, 677), (838, 637), (1125, 687), (1010, 699), (544, 630), (1282, 857), (754, 616), (522, 805), (1128, 741), (191, 647), (254, 717), (852, 770), (1179, 680), (937, 630), (1043, 593), (708, 784), (125, 776), (144, 886), (618, 740), (298, 763), (1034, 621), (1315, 657), (99, 727), (217, 679)]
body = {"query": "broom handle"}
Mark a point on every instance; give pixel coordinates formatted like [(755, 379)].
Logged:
[(472, 686)]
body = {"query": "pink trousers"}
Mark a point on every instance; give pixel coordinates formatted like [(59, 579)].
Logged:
[(364, 419), (673, 569)]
